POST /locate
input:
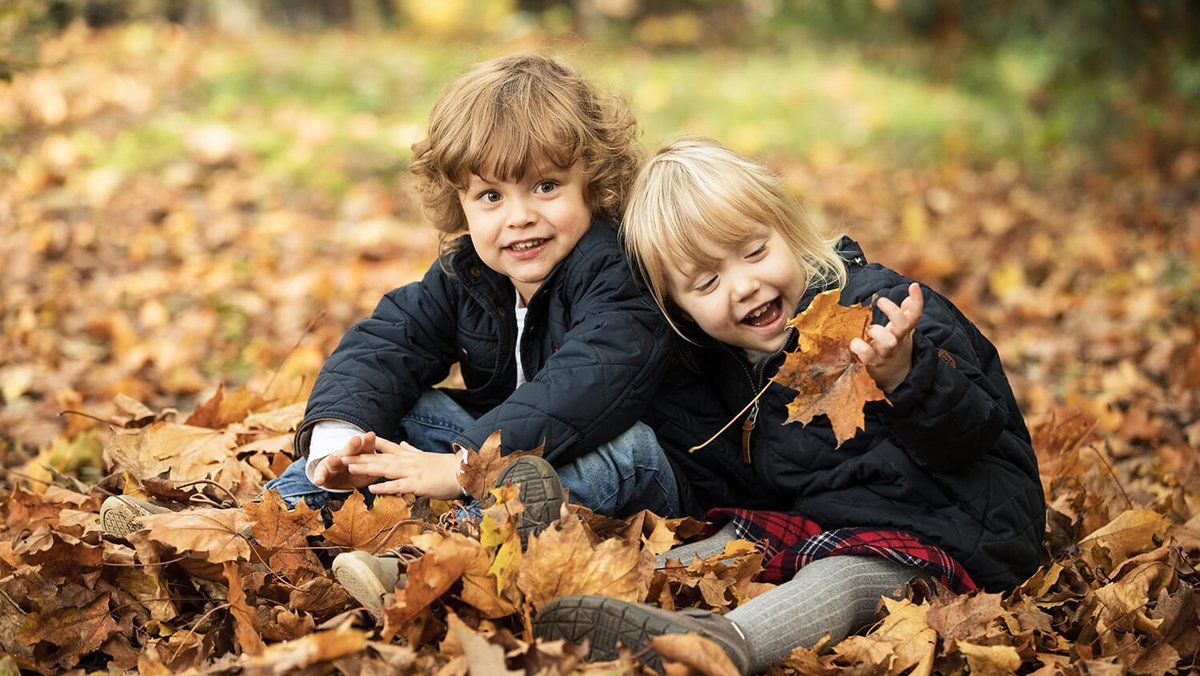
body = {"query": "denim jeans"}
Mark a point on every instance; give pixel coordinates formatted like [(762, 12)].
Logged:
[(622, 477)]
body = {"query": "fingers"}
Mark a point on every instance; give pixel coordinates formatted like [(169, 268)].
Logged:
[(374, 465), (327, 468), (902, 319), (385, 446), (393, 487)]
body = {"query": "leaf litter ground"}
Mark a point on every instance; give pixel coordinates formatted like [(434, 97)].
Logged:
[(130, 295)]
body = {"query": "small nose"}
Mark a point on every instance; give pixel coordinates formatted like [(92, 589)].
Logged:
[(744, 285), (520, 212)]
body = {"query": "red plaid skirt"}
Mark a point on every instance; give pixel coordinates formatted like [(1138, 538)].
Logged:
[(788, 542)]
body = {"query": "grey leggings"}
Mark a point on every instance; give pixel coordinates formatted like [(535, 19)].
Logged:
[(835, 596)]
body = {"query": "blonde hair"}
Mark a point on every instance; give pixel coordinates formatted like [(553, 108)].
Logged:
[(694, 191), (503, 115)]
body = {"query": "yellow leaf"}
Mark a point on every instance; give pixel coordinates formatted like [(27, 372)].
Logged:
[(990, 659)]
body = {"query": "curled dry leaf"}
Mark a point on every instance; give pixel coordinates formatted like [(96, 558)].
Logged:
[(700, 655)]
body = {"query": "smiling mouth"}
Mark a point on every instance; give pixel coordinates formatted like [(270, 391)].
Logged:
[(764, 315), (526, 245)]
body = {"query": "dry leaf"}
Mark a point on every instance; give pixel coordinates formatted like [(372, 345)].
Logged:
[(699, 654), (828, 379), (565, 560), (217, 535), (482, 468), (371, 529), (248, 638)]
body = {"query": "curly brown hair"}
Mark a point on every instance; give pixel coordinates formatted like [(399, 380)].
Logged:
[(503, 115)]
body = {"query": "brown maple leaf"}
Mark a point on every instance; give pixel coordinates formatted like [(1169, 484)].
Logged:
[(217, 535), (429, 577), (220, 410), (75, 630), (369, 529), (275, 526), (828, 379), (567, 560), (482, 468)]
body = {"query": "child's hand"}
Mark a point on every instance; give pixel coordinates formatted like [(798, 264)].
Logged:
[(408, 470), (887, 351), (332, 471)]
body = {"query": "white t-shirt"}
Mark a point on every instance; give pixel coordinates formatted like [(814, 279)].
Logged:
[(520, 310)]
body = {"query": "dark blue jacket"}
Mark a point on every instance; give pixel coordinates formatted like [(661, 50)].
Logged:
[(949, 460), (594, 351)]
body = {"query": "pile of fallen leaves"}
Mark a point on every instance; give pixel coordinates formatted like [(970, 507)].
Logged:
[(130, 296), (233, 582)]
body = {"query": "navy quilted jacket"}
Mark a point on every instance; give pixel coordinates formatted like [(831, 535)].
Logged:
[(594, 351)]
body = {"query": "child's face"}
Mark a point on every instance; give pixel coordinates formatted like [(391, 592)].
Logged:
[(747, 299), (522, 229)]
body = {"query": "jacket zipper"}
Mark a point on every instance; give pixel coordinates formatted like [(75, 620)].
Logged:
[(755, 377)]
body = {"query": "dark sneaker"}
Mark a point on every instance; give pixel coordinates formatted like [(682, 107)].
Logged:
[(367, 578), (119, 514), (606, 622), (540, 491)]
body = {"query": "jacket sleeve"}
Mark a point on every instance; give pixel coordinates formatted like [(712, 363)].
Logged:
[(384, 362), (600, 380), (948, 411)]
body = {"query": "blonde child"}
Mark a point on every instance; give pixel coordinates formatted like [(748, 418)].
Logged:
[(941, 484)]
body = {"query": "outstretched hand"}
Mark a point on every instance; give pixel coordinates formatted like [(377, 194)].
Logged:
[(887, 350), (407, 469)]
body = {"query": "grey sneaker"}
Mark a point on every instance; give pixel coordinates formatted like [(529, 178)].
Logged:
[(540, 491), (367, 578), (606, 622), (118, 514)]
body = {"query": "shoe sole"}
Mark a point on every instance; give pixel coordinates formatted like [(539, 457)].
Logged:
[(118, 516), (604, 623), (540, 491), (361, 583)]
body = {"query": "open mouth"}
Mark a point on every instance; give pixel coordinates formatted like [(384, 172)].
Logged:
[(526, 245), (765, 314)]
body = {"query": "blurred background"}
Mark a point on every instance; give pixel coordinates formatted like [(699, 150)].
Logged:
[(197, 193)]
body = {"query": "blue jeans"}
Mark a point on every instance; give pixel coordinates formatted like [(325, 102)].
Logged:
[(622, 477)]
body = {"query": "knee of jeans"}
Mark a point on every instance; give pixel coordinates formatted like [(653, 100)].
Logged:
[(639, 444)]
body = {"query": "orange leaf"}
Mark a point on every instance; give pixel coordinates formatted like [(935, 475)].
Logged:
[(483, 467), (354, 525), (275, 526), (566, 560), (248, 637), (220, 411), (699, 654), (219, 535), (431, 576), (828, 378)]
